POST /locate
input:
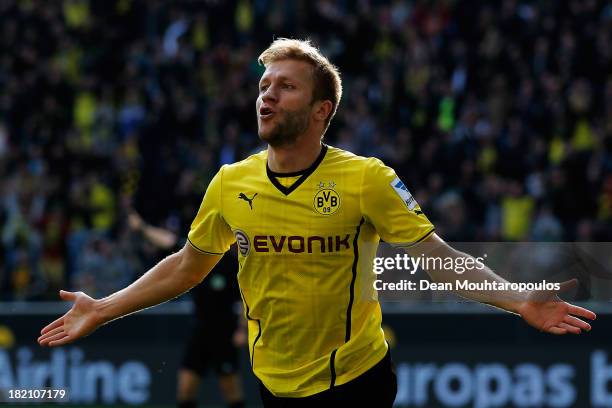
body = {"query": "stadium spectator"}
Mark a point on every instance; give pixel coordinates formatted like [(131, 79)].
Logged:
[(516, 94)]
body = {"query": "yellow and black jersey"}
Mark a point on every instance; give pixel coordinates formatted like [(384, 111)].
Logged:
[(306, 245)]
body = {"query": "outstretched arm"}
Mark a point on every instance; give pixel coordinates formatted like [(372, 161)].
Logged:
[(160, 237), (543, 310), (168, 279)]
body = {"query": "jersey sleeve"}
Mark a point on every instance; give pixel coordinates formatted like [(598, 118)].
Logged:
[(209, 232), (387, 204)]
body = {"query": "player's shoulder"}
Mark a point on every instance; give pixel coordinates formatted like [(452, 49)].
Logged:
[(245, 166), (343, 157)]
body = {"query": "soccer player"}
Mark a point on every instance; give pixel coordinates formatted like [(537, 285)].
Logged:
[(304, 216)]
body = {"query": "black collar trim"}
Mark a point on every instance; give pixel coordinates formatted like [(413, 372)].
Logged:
[(272, 175)]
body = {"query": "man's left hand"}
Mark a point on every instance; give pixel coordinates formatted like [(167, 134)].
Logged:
[(545, 311)]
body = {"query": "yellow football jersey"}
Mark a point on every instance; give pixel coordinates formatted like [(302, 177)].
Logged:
[(306, 254)]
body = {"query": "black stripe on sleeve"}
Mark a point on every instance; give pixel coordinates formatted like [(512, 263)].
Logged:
[(410, 244), (203, 251)]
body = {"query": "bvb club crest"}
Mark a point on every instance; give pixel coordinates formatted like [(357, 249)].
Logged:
[(326, 200)]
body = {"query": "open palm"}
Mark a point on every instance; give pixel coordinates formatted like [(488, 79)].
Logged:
[(78, 322), (545, 311)]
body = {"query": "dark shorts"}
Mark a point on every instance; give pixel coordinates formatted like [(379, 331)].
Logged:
[(374, 388), (211, 348)]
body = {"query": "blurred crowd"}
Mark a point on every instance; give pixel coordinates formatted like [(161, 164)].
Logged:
[(496, 115)]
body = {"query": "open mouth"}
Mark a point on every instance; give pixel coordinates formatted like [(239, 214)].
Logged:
[(265, 113)]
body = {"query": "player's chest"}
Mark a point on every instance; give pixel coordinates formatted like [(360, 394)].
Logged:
[(319, 204)]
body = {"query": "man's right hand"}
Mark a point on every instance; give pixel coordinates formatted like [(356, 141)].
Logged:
[(81, 320), (171, 277)]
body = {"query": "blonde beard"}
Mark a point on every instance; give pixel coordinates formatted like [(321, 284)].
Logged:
[(286, 132)]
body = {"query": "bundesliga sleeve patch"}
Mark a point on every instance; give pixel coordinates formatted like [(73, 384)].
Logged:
[(404, 194)]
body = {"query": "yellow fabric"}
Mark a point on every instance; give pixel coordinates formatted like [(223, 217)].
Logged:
[(605, 207), (76, 13), (199, 38), (301, 256), (102, 199), (287, 181), (487, 159), (84, 111), (556, 151), (583, 136), (244, 16), (516, 217)]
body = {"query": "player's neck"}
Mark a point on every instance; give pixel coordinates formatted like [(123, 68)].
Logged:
[(294, 158)]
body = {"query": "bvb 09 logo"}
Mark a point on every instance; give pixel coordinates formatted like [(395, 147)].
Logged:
[(326, 201)]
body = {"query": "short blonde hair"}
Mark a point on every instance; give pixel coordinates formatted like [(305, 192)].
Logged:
[(326, 77)]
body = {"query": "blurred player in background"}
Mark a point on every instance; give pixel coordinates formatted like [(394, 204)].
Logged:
[(216, 334), (307, 218)]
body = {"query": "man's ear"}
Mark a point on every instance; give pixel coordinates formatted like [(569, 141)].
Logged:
[(322, 110)]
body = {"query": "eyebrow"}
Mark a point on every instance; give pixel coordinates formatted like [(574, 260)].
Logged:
[(281, 77)]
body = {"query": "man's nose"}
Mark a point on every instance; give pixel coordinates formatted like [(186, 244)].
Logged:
[(270, 94)]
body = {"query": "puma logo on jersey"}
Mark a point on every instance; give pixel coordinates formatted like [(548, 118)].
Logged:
[(243, 196)]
